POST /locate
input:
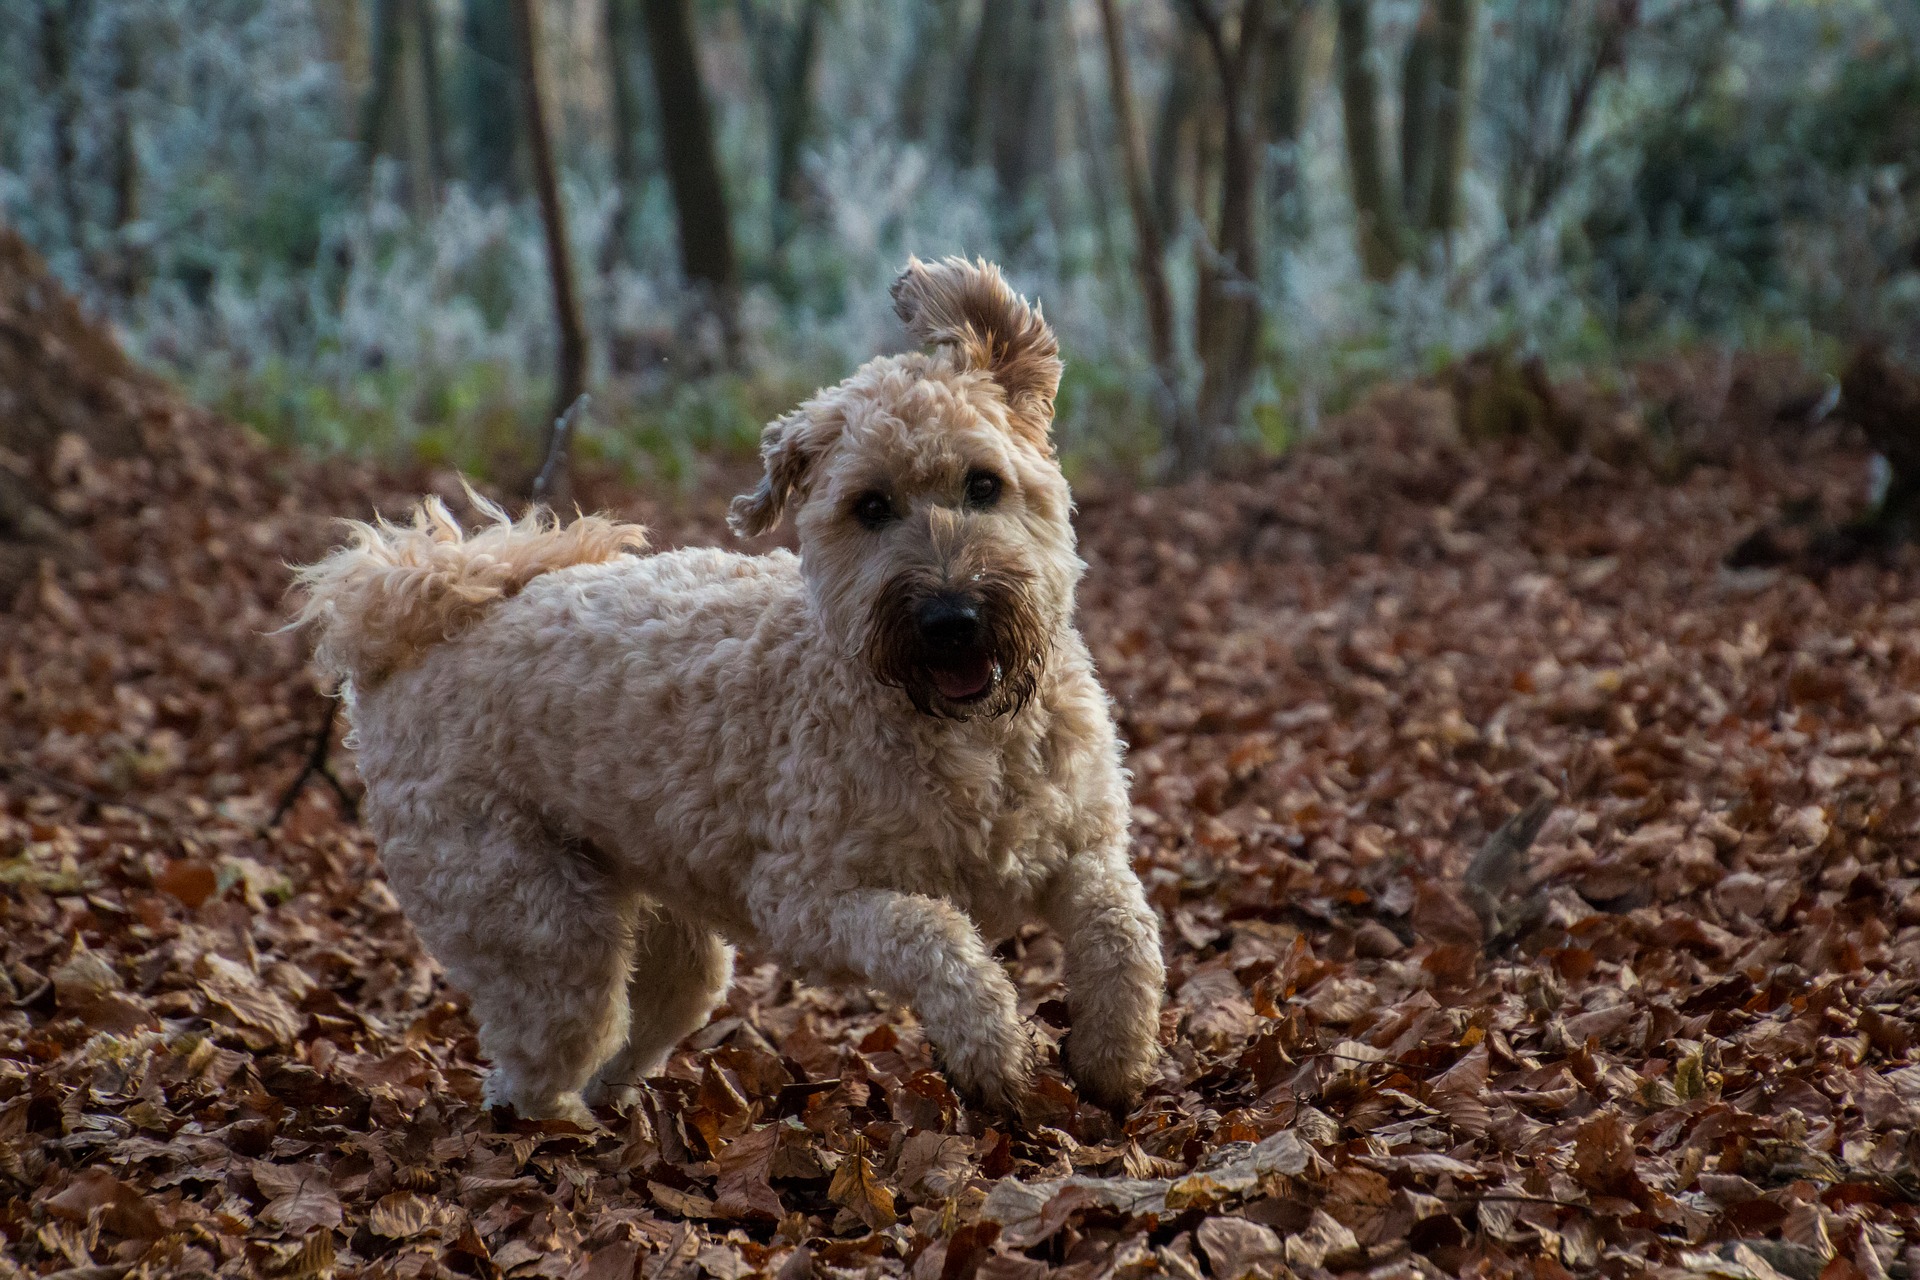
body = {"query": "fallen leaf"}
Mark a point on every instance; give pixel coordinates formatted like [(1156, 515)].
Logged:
[(299, 1198), (855, 1187)]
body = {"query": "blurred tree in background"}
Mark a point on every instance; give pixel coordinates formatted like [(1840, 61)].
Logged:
[(372, 224), (489, 59)]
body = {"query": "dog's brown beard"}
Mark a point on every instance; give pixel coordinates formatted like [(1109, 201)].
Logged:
[(1011, 655)]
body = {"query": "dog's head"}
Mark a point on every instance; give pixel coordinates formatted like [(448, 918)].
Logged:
[(932, 515)]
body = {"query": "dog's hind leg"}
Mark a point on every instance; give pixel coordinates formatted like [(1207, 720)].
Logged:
[(680, 972), (540, 940)]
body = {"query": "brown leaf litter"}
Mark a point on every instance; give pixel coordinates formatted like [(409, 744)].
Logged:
[(1686, 1049)]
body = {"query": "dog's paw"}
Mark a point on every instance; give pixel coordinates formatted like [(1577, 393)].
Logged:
[(621, 1098), (569, 1106), (1109, 1073), (994, 1077), (1003, 1096)]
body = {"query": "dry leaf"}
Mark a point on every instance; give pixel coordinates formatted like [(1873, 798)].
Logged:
[(299, 1198), (855, 1187)]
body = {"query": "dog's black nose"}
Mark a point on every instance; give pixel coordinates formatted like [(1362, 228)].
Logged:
[(948, 622)]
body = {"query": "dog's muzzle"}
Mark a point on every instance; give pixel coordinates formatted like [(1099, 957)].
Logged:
[(953, 642), (960, 652)]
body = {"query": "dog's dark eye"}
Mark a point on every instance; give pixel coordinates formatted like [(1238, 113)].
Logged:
[(983, 489), (872, 509)]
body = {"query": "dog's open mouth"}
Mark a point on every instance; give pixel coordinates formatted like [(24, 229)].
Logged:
[(959, 654), (964, 677)]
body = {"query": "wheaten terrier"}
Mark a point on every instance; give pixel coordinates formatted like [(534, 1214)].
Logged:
[(589, 771)]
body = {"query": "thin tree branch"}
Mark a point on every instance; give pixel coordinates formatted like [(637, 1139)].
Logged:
[(558, 447), (570, 375)]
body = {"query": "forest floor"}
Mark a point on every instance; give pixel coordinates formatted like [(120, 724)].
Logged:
[(222, 1049)]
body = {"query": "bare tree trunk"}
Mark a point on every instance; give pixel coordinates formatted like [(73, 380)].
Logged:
[(490, 89), (1024, 121), (346, 43), (1176, 148), (432, 105), (1452, 112), (622, 38), (63, 24), (1284, 69), (693, 165), (124, 157), (969, 131), (1284, 111), (1377, 225), (1006, 112), (396, 120), (571, 375), (414, 119), (383, 88), (923, 92), (793, 123), (1150, 249), (784, 57), (1419, 90), (1096, 146), (1227, 323)]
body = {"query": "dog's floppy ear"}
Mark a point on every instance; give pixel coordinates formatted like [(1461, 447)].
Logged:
[(789, 447), (967, 305)]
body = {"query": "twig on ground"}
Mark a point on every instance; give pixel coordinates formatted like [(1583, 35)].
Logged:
[(1500, 867), (1503, 1197), (76, 791), (318, 765)]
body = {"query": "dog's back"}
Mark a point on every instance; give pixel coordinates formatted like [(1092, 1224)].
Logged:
[(395, 591), (504, 662)]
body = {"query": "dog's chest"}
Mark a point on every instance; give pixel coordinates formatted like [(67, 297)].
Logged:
[(1000, 818)]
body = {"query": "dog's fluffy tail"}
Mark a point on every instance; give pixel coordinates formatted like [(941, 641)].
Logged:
[(396, 590)]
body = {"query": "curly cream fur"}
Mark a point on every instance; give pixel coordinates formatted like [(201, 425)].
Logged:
[(394, 591), (589, 773), (969, 307)]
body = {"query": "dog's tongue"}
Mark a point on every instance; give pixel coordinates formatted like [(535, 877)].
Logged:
[(967, 678)]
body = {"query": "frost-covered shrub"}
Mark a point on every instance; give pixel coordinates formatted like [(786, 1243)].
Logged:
[(193, 170)]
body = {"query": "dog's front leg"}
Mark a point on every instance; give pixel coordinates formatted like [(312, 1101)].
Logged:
[(924, 951), (1115, 975)]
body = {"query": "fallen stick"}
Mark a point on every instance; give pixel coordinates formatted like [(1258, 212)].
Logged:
[(75, 791), (317, 765), (1500, 867)]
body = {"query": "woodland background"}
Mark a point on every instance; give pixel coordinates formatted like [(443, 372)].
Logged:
[(325, 216), (1496, 433)]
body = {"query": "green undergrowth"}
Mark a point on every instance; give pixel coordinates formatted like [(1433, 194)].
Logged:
[(487, 425)]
